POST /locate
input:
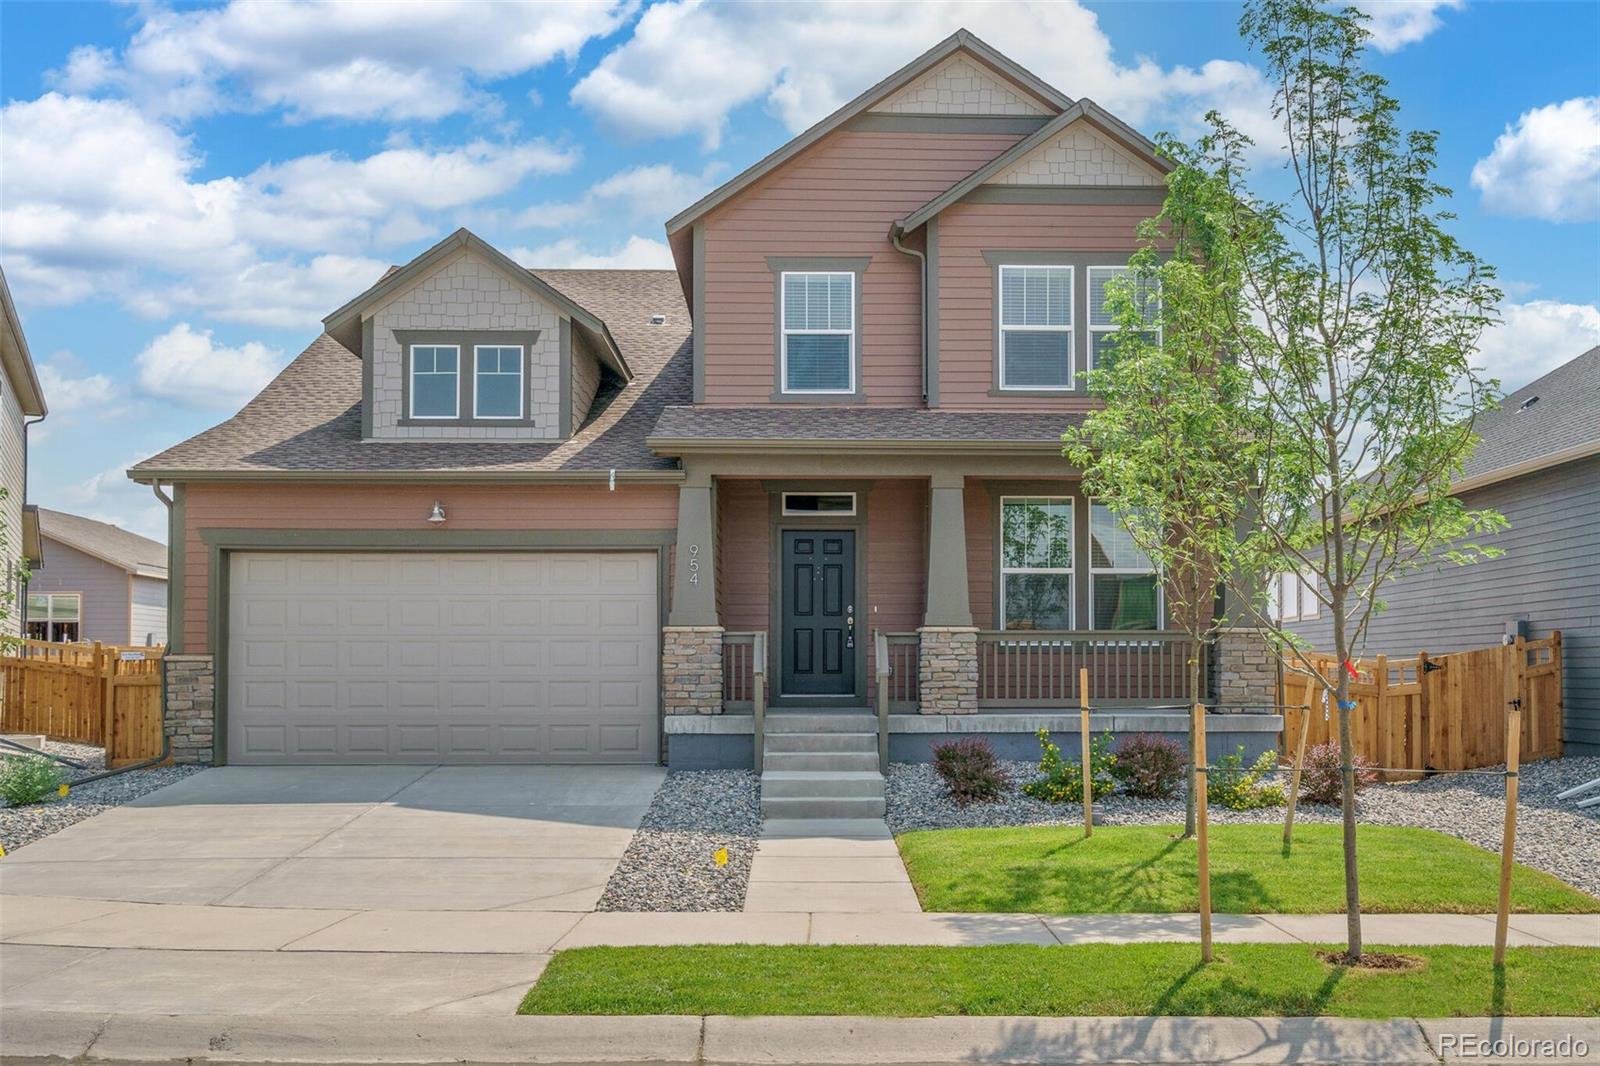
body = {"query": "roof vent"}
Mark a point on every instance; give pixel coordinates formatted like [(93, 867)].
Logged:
[(658, 320), (1529, 402)]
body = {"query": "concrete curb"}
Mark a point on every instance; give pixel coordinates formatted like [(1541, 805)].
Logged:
[(414, 1039)]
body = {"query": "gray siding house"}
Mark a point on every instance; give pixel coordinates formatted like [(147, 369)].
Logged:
[(21, 405), (97, 582), (1539, 465)]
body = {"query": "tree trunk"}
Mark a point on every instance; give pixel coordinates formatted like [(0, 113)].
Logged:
[(1352, 885), (1194, 697)]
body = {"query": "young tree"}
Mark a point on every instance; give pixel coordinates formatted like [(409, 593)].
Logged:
[(1353, 317)]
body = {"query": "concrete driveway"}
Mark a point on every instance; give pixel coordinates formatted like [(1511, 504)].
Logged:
[(257, 890)]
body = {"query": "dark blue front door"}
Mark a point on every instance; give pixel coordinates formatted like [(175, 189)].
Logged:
[(819, 594)]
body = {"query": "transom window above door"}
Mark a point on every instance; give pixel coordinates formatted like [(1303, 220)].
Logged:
[(435, 381), (1036, 327), (818, 319), (1036, 562)]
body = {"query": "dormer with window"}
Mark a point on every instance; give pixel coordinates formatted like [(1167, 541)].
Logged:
[(464, 344)]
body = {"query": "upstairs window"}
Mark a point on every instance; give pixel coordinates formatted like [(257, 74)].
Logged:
[(1124, 586), (1103, 326), (1293, 598), (497, 384), (55, 616), (819, 332), (1036, 562), (435, 381), (1036, 327)]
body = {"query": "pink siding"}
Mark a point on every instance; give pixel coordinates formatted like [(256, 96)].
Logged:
[(241, 506), (744, 555), (966, 285), (981, 572), (836, 199)]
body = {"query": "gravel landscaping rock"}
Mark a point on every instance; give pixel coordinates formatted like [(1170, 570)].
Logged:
[(1552, 836), (670, 863), (23, 825)]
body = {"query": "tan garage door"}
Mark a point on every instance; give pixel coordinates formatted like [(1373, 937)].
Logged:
[(455, 658)]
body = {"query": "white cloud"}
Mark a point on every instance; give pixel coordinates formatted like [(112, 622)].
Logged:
[(688, 64), (186, 366), (352, 59), (1546, 166), (66, 393), (1534, 338), (638, 253), (109, 496), (1397, 23), (655, 192)]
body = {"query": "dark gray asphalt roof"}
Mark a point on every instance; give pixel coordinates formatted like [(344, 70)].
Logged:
[(1565, 415), (136, 554), (308, 420), (857, 423)]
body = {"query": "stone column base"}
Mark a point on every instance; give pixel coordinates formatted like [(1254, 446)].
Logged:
[(190, 713), (691, 669), (947, 670), (1246, 670)]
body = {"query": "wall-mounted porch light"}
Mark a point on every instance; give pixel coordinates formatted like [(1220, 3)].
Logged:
[(437, 516)]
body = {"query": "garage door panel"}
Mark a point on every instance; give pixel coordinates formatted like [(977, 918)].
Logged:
[(374, 657)]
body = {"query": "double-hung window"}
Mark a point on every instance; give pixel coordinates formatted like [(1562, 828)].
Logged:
[(55, 616), (497, 381), (1103, 326), (819, 331), (1036, 327), (1293, 598), (435, 381), (1036, 562), (1124, 585)]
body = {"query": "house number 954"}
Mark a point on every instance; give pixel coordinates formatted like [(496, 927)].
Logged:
[(694, 564)]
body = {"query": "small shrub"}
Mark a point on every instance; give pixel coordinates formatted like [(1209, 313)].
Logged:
[(1320, 776), (1231, 785), (970, 771), (28, 779), (1150, 766), (1061, 781)]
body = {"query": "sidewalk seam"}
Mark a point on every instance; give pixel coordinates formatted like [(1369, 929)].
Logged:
[(1425, 1041)]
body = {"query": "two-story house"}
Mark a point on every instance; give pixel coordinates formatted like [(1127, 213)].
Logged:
[(499, 514), (21, 405)]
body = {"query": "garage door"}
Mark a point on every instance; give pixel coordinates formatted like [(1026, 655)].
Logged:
[(456, 658)]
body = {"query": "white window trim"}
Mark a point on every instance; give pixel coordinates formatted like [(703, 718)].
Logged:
[(1161, 587), (1113, 328), (49, 618), (1307, 607), (784, 331), (411, 400), (1070, 571), (1069, 329), (522, 384), (818, 514)]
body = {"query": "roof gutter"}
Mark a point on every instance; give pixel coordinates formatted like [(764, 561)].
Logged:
[(1528, 466), (414, 477)]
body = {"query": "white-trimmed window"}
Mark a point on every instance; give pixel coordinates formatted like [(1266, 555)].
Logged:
[(497, 381), (1124, 584), (55, 616), (1293, 598), (1036, 562), (819, 504), (1103, 326), (1036, 327), (435, 381), (818, 316)]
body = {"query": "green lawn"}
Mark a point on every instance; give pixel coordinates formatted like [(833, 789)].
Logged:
[(1123, 869), (1087, 979)]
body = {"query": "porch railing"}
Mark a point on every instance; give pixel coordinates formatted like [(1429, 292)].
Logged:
[(1039, 668), (900, 651), (744, 682)]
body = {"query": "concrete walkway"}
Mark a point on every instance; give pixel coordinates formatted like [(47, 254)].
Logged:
[(39, 1035), (828, 866)]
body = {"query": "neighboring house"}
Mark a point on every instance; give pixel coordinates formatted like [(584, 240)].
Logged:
[(21, 404), (1538, 464), (97, 582), (501, 514)]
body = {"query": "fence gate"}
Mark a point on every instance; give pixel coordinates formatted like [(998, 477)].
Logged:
[(98, 694)]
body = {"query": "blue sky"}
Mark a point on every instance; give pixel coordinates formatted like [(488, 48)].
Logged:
[(186, 190)]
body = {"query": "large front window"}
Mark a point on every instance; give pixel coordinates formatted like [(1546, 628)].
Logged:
[(1103, 326), (435, 381), (819, 331), (1036, 327), (55, 616), (1124, 588), (1036, 562), (497, 386)]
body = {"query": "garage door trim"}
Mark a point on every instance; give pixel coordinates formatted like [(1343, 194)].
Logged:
[(222, 543)]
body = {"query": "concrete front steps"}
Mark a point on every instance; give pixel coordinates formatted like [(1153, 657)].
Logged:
[(821, 765)]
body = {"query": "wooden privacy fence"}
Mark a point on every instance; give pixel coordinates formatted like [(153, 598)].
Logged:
[(1436, 712), (96, 694)]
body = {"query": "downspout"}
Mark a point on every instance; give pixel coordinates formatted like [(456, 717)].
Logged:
[(922, 303)]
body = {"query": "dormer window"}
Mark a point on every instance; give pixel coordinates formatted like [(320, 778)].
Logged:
[(435, 381), (497, 387), (819, 334)]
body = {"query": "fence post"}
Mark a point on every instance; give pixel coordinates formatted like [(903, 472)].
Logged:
[(1202, 836), (1423, 724), (102, 675), (1559, 709), (1088, 783), (1508, 837)]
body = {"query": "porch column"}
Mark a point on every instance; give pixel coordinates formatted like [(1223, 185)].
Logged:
[(691, 642), (947, 659)]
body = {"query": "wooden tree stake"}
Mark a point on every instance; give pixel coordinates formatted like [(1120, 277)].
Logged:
[(1294, 776), (1201, 835), (1508, 837), (1083, 729)]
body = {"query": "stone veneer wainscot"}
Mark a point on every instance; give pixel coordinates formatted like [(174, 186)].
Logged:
[(191, 697), (691, 669)]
